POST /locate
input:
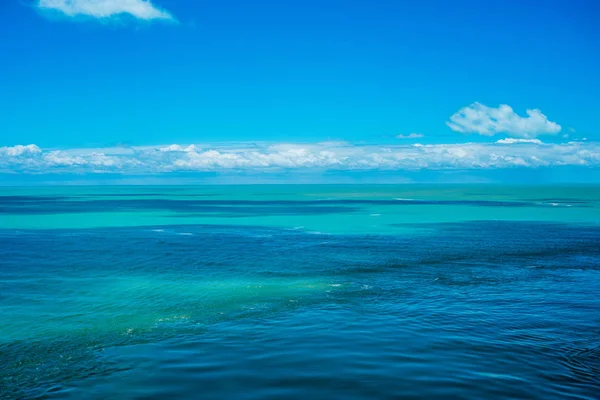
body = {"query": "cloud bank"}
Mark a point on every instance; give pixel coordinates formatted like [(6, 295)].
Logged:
[(489, 121), (410, 136), (140, 9), (513, 141), (268, 157)]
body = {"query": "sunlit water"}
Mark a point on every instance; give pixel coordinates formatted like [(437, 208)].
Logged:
[(353, 292)]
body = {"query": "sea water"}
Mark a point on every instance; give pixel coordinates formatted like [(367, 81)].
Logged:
[(258, 292)]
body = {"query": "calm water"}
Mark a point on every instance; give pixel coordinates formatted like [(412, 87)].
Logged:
[(259, 292)]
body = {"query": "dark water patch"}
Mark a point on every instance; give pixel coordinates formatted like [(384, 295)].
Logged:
[(138, 194), (258, 210), (15, 200), (51, 205), (515, 238), (584, 363), (34, 369), (181, 206), (564, 200)]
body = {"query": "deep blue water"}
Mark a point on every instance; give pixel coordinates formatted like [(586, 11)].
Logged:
[(469, 309)]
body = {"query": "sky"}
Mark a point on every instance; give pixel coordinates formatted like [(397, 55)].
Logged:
[(322, 91)]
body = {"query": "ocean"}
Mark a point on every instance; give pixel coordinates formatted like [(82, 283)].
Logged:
[(300, 291)]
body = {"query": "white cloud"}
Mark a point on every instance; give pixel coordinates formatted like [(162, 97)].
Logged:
[(20, 150), (410, 136), (513, 141), (178, 147), (141, 9), (265, 157), (488, 121)]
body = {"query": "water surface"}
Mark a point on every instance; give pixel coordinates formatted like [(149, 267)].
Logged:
[(355, 292)]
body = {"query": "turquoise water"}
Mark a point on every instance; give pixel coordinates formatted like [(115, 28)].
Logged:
[(356, 292)]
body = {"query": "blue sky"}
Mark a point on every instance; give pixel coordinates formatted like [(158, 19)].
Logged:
[(101, 86)]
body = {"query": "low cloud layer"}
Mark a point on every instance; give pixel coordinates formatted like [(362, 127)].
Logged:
[(410, 136), (331, 156), (140, 9), (488, 121)]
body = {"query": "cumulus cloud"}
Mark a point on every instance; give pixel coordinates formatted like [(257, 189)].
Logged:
[(489, 121), (410, 136), (140, 9), (178, 147), (20, 150), (265, 157)]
